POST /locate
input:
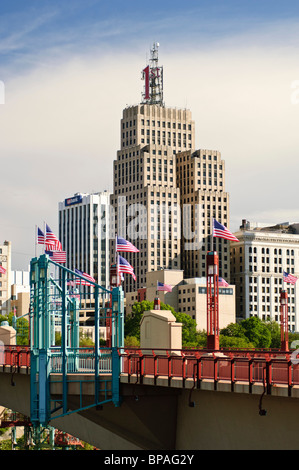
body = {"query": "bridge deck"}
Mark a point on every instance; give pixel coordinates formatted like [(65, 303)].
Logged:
[(237, 371)]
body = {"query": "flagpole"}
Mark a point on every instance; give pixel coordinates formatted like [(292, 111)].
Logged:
[(35, 237), (116, 262), (45, 236)]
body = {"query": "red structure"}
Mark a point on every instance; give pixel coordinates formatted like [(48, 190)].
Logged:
[(212, 300), (63, 439), (284, 327)]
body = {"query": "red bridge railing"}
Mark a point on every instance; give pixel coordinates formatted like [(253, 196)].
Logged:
[(263, 367), (15, 356), (251, 367)]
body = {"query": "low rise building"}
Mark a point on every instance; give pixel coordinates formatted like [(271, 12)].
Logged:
[(187, 296), (20, 292)]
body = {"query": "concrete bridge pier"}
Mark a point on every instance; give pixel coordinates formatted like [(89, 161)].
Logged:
[(161, 418)]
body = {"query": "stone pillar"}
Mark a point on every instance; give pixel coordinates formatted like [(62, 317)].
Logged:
[(159, 330), (7, 334)]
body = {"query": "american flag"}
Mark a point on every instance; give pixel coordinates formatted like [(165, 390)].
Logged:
[(52, 242), (2, 270), (124, 245), (57, 256), (221, 231), (125, 267), (82, 282), (289, 278), (40, 236), (164, 287), (222, 282)]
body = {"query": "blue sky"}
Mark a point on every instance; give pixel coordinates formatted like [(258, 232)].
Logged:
[(35, 26), (70, 67)]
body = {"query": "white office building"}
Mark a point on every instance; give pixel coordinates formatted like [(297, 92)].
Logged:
[(257, 264), (84, 233)]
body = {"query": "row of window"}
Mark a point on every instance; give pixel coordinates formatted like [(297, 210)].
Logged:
[(162, 124)]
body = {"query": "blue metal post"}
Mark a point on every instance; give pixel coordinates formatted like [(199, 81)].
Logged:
[(117, 341), (39, 380), (97, 341), (64, 341)]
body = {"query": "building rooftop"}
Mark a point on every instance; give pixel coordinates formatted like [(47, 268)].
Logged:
[(283, 227)]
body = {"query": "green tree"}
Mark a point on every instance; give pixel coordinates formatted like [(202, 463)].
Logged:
[(132, 322), (274, 329), (22, 327), (131, 342), (257, 332), (234, 342), (293, 337), (233, 330)]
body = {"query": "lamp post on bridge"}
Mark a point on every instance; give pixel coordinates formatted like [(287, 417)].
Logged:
[(212, 300)]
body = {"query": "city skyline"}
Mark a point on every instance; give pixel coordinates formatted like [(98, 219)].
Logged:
[(69, 71)]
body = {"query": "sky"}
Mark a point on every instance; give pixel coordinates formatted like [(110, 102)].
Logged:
[(69, 68)]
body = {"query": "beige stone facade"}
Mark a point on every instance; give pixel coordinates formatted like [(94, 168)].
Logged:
[(145, 186), (201, 179), (192, 300)]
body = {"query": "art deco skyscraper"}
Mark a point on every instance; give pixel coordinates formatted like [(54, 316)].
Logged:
[(146, 199), (201, 179)]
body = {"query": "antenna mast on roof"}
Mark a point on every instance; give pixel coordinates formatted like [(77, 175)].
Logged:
[(153, 77)]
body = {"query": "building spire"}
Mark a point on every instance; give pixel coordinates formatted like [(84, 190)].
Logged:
[(153, 77)]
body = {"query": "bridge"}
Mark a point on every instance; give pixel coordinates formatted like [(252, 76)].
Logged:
[(117, 398)]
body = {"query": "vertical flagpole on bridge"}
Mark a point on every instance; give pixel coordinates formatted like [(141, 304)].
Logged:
[(35, 242), (45, 236), (117, 263)]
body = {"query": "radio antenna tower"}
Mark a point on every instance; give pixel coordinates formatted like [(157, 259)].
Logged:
[(153, 77)]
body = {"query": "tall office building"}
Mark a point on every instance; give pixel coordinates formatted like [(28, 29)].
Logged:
[(84, 221), (146, 199), (201, 180), (257, 264)]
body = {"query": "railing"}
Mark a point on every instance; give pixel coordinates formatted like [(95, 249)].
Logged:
[(254, 367), (81, 360), (262, 367), (15, 356)]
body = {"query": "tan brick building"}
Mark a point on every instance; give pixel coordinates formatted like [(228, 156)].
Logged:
[(145, 187)]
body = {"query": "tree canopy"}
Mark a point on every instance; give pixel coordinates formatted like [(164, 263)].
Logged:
[(249, 333)]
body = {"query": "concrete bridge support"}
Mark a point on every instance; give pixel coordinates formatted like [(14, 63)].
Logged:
[(160, 417)]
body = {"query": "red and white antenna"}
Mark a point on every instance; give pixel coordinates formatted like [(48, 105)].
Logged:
[(153, 77)]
